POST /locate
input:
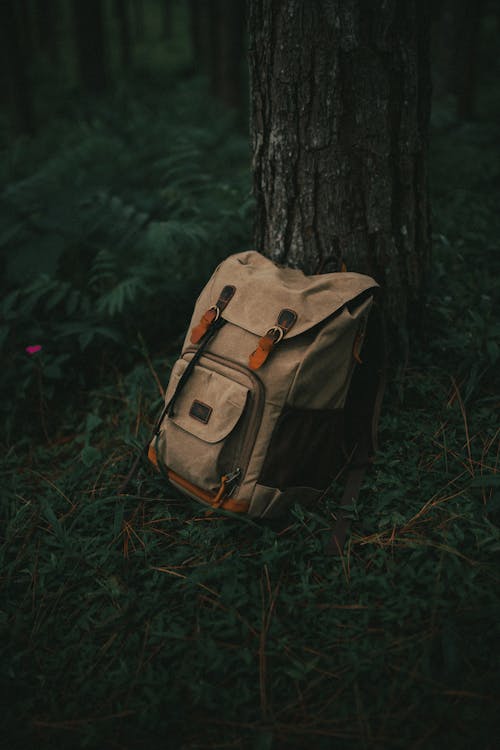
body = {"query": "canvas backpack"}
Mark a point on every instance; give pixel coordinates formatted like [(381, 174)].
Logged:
[(258, 411)]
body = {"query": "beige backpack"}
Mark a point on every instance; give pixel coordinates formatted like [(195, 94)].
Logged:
[(254, 415)]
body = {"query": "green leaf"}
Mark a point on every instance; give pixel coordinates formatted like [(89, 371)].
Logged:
[(92, 421), (90, 455)]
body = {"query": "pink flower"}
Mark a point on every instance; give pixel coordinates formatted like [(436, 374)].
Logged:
[(33, 349)]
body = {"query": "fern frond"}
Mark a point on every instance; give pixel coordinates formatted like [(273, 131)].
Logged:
[(124, 293)]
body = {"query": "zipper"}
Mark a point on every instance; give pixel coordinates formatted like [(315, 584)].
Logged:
[(255, 416), (231, 481)]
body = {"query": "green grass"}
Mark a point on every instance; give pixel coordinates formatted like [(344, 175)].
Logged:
[(191, 631)]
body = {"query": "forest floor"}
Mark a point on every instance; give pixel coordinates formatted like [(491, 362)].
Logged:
[(195, 631)]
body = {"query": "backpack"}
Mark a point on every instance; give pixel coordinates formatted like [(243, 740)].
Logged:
[(258, 411)]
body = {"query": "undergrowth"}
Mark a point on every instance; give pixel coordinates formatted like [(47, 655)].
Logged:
[(137, 621), (110, 237)]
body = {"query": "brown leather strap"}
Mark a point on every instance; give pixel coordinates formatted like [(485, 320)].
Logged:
[(362, 411), (212, 314), (352, 487), (285, 320), (168, 407)]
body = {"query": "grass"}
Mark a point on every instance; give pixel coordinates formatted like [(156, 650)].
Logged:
[(183, 630)]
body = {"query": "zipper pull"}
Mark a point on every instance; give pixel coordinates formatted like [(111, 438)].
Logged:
[(223, 491), (232, 476)]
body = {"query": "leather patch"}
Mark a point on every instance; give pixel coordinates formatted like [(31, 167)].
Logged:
[(225, 296), (286, 319), (200, 411)]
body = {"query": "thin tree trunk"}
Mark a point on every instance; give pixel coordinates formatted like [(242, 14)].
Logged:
[(90, 43), (46, 17), (442, 39), (25, 22), (468, 23), (227, 26), (16, 83), (138, 15), (340, 110), (200, 26), (167, 18), (122, 16)]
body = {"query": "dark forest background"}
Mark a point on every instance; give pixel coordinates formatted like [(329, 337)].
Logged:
[(125, 177)]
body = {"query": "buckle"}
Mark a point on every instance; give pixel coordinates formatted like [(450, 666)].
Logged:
[(276, 331), (217, 312)]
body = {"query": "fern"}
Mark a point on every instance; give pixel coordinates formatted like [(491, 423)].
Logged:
[(125, 292), (103, 270), (111, 229)]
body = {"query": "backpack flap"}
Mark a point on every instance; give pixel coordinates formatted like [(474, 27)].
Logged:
[(263, 290)]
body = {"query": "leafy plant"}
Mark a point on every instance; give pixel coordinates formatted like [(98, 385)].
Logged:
[(111, 237)]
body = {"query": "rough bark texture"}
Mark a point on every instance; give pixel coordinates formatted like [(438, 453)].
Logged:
[(340, 107)]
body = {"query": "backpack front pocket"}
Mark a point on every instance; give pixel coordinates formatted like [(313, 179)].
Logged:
[(203, 438)]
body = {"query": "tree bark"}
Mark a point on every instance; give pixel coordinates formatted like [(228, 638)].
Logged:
[(340, 98), (90, 43)]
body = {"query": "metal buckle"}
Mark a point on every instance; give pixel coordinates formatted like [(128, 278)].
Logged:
[(217, 312), (278, 330)]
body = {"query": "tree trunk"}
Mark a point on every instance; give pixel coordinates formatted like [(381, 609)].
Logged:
[(199, 27), (138, 15), (227, 21), (90, 43), (46, 18), (340, 109), (25, 21), (16, 83), (466, 49), (122, 16), (167, 18)]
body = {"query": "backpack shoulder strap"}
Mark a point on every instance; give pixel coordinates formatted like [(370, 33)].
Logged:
[(361, 415)]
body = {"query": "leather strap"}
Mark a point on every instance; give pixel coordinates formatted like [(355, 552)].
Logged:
[(213, 313), (352, 487), (362, 411), (168, 407), (285, 320)]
